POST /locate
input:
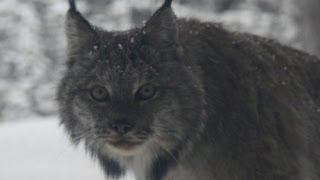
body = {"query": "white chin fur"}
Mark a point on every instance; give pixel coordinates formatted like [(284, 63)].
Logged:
[(110, 149)]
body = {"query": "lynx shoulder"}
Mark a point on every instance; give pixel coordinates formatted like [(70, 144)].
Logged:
[(184, 100)]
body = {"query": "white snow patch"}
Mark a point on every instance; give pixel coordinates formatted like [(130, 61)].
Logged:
[(38, 149)]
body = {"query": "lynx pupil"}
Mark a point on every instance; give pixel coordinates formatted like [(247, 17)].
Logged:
[(99, 93), (146, 92)]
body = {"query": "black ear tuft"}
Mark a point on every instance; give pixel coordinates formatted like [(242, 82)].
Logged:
[(167, 3), (79, 31), (72, 5), (161, 30)]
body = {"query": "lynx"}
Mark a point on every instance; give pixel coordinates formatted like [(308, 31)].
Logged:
[(179, 99)]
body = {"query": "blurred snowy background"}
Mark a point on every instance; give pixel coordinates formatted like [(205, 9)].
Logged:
[(32, 55), (32, 41)]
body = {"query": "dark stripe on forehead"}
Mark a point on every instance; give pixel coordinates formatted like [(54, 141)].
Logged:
[(116, 51)]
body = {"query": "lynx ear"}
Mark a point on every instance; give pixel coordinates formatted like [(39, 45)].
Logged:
[(78, 30), (161, 30)]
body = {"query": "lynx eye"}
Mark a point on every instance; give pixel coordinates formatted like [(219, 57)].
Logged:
[(146, 92), (99, 93)]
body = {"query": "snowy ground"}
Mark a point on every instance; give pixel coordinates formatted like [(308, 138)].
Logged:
[(39, 150)]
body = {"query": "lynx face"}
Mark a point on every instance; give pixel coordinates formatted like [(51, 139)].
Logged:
[(129, 92)]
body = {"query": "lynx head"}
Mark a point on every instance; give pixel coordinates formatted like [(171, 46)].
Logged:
[(128, 92)]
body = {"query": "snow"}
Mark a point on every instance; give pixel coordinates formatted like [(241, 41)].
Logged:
[(120, 46), (38, 149)]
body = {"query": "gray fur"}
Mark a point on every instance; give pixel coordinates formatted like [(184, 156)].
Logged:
[(229, 106)]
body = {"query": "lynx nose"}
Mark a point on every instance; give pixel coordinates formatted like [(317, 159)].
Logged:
[(121, 127)]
